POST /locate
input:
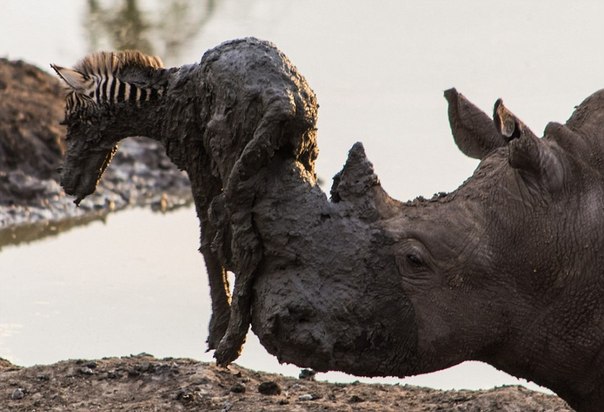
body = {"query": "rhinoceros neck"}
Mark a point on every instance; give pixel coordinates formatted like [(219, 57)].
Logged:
[(583, 391)]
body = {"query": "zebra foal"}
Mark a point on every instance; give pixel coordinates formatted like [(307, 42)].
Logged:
[(222, 121)]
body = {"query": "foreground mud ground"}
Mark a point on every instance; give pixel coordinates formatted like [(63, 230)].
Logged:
[(143, 383)]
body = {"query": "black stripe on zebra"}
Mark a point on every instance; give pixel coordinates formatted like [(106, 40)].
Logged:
[(154, 94), (121, 92), (143, 94), (112, 88), (132, 94), (103, 87), (97, 92)]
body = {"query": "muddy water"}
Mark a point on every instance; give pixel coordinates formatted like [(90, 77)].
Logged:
[(378, 68)]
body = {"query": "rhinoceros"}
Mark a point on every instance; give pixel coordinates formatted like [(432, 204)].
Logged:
[(507, 269)]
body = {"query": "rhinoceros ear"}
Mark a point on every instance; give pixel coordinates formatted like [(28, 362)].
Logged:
[(525, 147), (532, 156), (473, 130)]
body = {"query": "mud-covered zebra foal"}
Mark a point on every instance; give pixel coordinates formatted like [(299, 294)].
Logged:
[(220, 120)]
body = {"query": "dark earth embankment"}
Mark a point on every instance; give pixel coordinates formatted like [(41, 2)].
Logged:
[(143, 383), (32, 204)]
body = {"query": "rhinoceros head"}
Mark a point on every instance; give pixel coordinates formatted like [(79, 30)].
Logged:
[(506, 269)]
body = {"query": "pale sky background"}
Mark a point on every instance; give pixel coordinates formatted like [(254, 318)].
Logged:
[(379, 69)]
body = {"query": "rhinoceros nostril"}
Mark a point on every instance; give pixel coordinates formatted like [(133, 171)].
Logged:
[(301, 314)]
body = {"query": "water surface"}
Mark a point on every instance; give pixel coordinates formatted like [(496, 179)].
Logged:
[(136, 284)]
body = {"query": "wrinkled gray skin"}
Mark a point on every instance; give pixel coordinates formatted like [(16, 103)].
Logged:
[(507, 269)]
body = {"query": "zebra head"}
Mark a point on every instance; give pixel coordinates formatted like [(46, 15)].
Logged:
[(100, 89)]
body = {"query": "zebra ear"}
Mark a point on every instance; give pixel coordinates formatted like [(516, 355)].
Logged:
[(73, 78)]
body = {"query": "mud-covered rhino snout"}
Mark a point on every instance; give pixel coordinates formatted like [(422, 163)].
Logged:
[(319, 325)]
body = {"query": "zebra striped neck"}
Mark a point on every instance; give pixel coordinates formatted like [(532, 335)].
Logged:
[(111, 90), (112, 78)]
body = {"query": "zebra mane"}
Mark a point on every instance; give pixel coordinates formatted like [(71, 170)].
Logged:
[(112, 77), (113, 63)]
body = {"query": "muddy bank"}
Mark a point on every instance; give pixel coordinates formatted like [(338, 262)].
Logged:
[(143, 383), (32, 202)]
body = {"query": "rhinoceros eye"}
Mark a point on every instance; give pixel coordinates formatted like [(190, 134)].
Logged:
[(414, 260)]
